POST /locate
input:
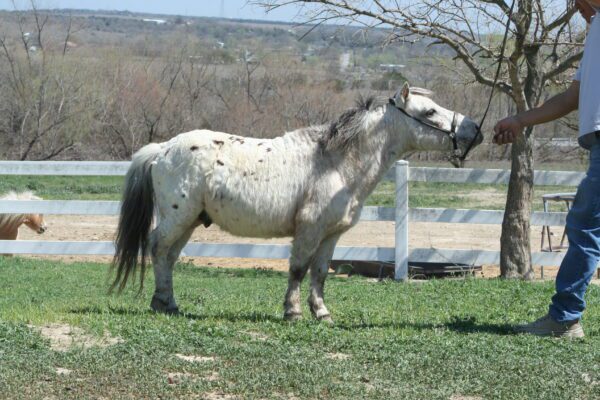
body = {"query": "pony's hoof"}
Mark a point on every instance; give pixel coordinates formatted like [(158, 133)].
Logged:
[(292, 317), (326, 319), (160, 306), (171, 311)]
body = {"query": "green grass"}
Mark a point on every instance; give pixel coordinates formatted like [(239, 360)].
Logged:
[(401, 341), (65, 187), (464, 195)]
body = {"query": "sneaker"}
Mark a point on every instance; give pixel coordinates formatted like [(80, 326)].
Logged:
[(547, 326)]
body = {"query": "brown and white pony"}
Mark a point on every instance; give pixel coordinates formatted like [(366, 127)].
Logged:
[(10, 223)]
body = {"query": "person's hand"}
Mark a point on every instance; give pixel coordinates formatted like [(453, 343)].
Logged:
[(507, 130), (586, 11)]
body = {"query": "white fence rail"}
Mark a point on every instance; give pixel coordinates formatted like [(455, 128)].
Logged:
[(79, 168), (401, 214), (446, 215)]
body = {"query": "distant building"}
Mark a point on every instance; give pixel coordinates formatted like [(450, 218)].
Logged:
[(250, 58), (391, 67), (155, 21)]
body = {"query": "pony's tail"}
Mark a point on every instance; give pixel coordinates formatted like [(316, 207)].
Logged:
[(135, 221)]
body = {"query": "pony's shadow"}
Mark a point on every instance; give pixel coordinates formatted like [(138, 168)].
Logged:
[(231, 317), (456, 324)]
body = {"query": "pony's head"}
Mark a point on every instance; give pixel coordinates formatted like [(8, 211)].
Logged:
[(435, 127), (35, 222)]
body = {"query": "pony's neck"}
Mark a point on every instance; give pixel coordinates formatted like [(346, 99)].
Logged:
[(375, 153), (11, 221)]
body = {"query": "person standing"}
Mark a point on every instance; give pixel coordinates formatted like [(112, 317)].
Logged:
[(583, 220)]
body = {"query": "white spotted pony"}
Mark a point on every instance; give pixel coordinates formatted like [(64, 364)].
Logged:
[(310, 184)]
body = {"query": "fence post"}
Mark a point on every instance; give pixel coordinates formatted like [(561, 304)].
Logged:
[(401, 232)]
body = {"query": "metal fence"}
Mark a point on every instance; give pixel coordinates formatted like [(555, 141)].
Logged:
[(401, 215)]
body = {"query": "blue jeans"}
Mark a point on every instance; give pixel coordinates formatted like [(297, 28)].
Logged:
[(583, 255)]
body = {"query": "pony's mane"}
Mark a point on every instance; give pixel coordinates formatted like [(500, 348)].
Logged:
[(421, 92), (27, 195), (342, 133)]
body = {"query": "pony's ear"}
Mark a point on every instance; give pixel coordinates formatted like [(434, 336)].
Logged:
[(405, 91), (402, 95)]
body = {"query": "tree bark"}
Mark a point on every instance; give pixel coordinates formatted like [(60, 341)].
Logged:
[(515, 253)]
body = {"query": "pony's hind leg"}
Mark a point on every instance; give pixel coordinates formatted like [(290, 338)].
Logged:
[(165, 250), (318, 273)]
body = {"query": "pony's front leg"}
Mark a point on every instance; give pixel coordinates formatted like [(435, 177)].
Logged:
[(163, 259), (303, 249), (318, 273), (10, 234)]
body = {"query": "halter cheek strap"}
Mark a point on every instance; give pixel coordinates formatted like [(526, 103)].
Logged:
[(451, 133)]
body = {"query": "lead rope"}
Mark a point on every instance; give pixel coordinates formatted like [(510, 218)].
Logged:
[(487, 109)]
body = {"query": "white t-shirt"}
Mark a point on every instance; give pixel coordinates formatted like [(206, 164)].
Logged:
[(588, 75)]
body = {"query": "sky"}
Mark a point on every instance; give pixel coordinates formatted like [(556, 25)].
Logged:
[(203, 8)]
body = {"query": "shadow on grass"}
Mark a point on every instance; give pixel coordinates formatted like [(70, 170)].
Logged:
[(109, 310), (231, 317), (457, 324), (470, 325)]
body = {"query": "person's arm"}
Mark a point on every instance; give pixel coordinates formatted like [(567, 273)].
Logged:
[(585, 8), (558, 106)]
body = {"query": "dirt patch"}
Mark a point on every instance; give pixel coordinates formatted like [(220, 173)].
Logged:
[(217, 396), (337, 356), (175, 378), (257, 335), (64, 337), (197, 359), (589, 380), (62, 371), (212, 377), (460, 397), (365, 233)]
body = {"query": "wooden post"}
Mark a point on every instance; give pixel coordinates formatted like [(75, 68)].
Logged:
[(401, 232)]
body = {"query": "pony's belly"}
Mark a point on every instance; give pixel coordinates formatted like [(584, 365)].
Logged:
[(248, 223), (263, 204)]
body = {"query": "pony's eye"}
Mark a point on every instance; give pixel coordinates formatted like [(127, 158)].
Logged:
[(430, 113)]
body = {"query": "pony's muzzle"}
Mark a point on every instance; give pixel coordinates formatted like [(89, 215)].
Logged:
[(41, 230)]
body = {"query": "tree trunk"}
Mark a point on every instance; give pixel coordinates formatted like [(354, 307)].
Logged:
[(515, 253)]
